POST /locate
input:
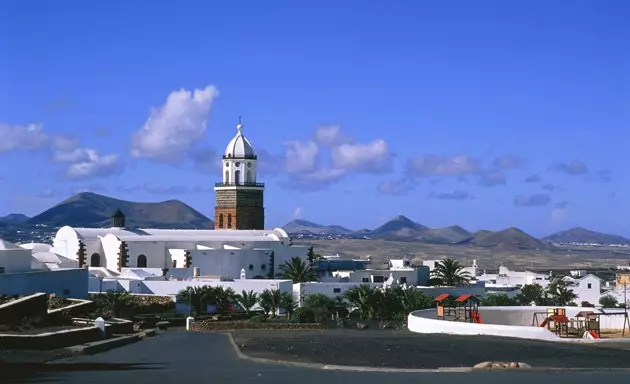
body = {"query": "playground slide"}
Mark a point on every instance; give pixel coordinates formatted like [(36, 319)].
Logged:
[(594, 334), (545, 322)]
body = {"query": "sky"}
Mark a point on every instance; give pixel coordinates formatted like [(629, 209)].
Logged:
[(485, 114)]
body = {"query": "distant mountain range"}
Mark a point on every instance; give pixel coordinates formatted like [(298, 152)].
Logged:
[(92, 210), (402, 228)]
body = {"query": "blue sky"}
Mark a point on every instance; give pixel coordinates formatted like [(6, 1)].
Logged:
[(486, 114)]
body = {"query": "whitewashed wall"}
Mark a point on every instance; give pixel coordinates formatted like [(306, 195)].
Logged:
[(166, 288), (229, 262), (16, 260), (479, 290), (417, 322), (330, 289), (73, 280)]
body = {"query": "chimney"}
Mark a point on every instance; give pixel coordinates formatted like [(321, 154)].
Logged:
[(118, 219)]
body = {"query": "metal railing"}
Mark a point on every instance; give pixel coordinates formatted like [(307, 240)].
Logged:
[(221, 184)]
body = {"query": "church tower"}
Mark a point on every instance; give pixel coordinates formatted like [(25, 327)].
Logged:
[(239, 198)]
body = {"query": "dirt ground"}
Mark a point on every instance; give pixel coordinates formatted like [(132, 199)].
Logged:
[(487, 258), (404, 349)]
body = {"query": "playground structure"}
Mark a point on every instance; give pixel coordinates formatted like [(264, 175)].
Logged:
[(464, 308), (584, 324), (462, 316)]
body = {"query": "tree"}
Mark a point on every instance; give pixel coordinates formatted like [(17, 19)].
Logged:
[(195, 297), (287, 303), (560, 293), (269, 301), (222, 298), (365, 298), (450, 273), (312, 256), (414, 299), (498, 300), (247, 300), (321, 305), (116, 302), (297, 270), (531, 293), (608, 301)]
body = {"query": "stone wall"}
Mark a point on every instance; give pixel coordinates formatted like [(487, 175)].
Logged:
[(51, 340), (213, 325), (35, 305)]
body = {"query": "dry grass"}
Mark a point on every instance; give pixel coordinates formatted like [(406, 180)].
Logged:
[(383, 250), (614, 334)]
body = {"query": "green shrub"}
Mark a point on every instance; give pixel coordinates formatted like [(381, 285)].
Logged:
[(258, 319), (303, 315)]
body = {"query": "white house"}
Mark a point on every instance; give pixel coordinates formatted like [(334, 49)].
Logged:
[(20, 275), (587, 288)]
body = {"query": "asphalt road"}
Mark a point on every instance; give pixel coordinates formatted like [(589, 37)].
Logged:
[(179, 357)]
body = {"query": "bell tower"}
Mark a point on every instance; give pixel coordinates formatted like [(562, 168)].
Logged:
[(239, 197)]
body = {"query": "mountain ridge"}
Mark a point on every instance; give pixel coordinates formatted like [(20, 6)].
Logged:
[(89, 209), (401, 228)]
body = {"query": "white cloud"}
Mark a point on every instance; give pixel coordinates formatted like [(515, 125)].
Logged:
[(297, 212), (330, 135), (87, 163), (28, 137), (429, 165), (172, 129), (300, 156), (372, 157)]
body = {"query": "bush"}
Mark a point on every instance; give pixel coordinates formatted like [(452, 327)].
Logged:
[(258, 319), (303, 315)]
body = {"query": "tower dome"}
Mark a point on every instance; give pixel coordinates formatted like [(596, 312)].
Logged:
[(239, 147)]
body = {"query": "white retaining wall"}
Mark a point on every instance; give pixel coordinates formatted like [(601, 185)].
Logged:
[(74, 282), (422, 323)]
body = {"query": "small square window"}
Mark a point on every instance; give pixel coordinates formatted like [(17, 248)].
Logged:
[(336, 290), (588, 286), (403, 280), (365, 280)]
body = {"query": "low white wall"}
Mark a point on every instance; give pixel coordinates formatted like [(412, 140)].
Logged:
[(166, 288), (420, 322), (74, 282)]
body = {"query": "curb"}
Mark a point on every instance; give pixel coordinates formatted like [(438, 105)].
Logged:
[(106, 345)]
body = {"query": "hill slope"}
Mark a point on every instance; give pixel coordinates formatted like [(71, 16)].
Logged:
[(399, 228), (507, 239), (308, 227), (584, 236), (14, 218), (93, 210)]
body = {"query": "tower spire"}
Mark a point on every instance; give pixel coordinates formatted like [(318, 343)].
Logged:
[(239, 127)]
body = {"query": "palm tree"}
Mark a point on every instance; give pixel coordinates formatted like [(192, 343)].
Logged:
[(195, 297), (414, 299), (365, 298), (297, 270), (247, 300), (222, 298), (269, 301), (322, 306), (560, 292), (450, 273), (116, 302), (288, 303)]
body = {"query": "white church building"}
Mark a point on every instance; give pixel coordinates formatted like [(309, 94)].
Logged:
[(238, 240)]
